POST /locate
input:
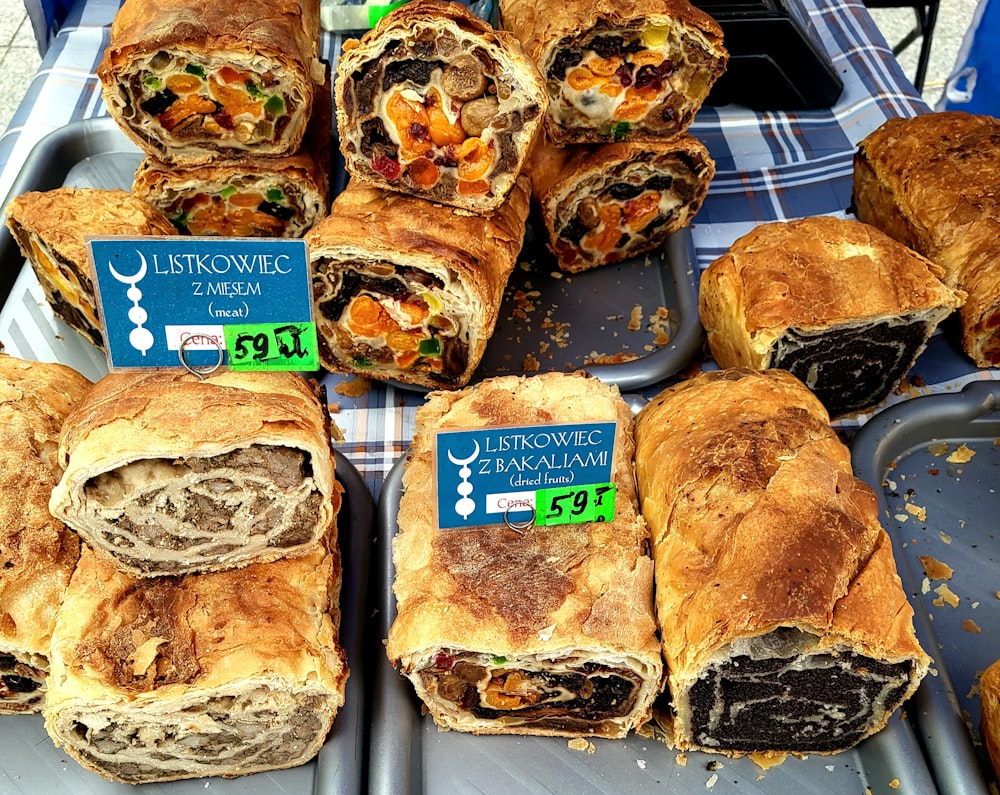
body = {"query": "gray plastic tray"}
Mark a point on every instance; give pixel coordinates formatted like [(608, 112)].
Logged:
[(409, 755), (902, 453)]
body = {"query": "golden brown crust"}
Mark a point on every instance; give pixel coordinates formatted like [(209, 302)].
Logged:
[(758, 524), (545, 28), (564, 177), (441, 33), (162, 415), (51, 227), (158, 653), (989, 723), (553, 593), (476, 252), (931, 182), (811, 274), (278, 33), (37, 552)]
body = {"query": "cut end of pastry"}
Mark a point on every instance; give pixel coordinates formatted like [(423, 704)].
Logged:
[(774, 694), (235, 730), (854, 368), (569, 696), (22, 683)]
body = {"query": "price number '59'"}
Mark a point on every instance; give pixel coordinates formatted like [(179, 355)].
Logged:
[(272, 346), (575, 504)]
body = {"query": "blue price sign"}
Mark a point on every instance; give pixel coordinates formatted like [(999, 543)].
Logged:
[(491, 475), (164, 297)]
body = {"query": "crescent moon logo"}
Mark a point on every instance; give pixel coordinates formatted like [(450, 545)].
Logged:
[(139, 276), (464, 461)]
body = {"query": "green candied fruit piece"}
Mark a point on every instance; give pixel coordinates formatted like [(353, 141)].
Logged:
[(431, 347), (362, 361), (227, 191), (275, 195), (254, 90), (180, 220), (195, 69), (152, 82), (274, 104), (499, 660), (619, 130)]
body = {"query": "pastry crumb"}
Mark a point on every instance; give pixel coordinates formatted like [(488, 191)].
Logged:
[(894, 783), (681, 760), (935, 569), (962, 455), (356, 387), (582, 744), (916, 510), (635, 318), (946, 596), (971, 626)]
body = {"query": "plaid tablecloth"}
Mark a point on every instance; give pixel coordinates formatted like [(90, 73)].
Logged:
[(770, 166)]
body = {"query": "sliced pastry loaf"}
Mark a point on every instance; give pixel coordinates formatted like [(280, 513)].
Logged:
[(841, 305), (784, 624)]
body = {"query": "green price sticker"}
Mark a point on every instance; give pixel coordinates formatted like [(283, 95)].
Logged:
[(272, 346), (594, 502)]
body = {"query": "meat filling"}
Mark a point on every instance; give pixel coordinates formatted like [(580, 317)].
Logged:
[(22, 686), (617, 79), (437, 117), (159, 513), (260, 729), (393, 317), (567, 695), (201, 102)]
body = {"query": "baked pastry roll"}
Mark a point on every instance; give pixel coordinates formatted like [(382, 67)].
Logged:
[(170, 473), (435, 103), (408, 289), (37, 552), (51, 227), (989, 722), (276, 196), (190, 81), (618, 70), (545, 631), (933, 182), (219, 674), (836, 302), (604, 203), (784, 624)]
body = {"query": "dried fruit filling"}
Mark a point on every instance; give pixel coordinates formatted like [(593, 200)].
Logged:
[(235, 210), (191, 100), (620, 77), (438, 117)]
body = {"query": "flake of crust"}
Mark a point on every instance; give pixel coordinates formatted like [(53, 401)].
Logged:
[(945, 596), (356, 387), (635, 318), (530, 364), (610, 358), (582, 744), (971, 626), (935, 569), (962, 455), (767, 761), (917, 510)]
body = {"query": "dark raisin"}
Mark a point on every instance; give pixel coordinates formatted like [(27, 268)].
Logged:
[(159, 102), (648, 76), (278, 211), (564, 60), (624, 75), (419, 132), (573, 231), (622, 191), (655, 224), (660, 182), (19, 684), (414, 71), (607, 46)]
